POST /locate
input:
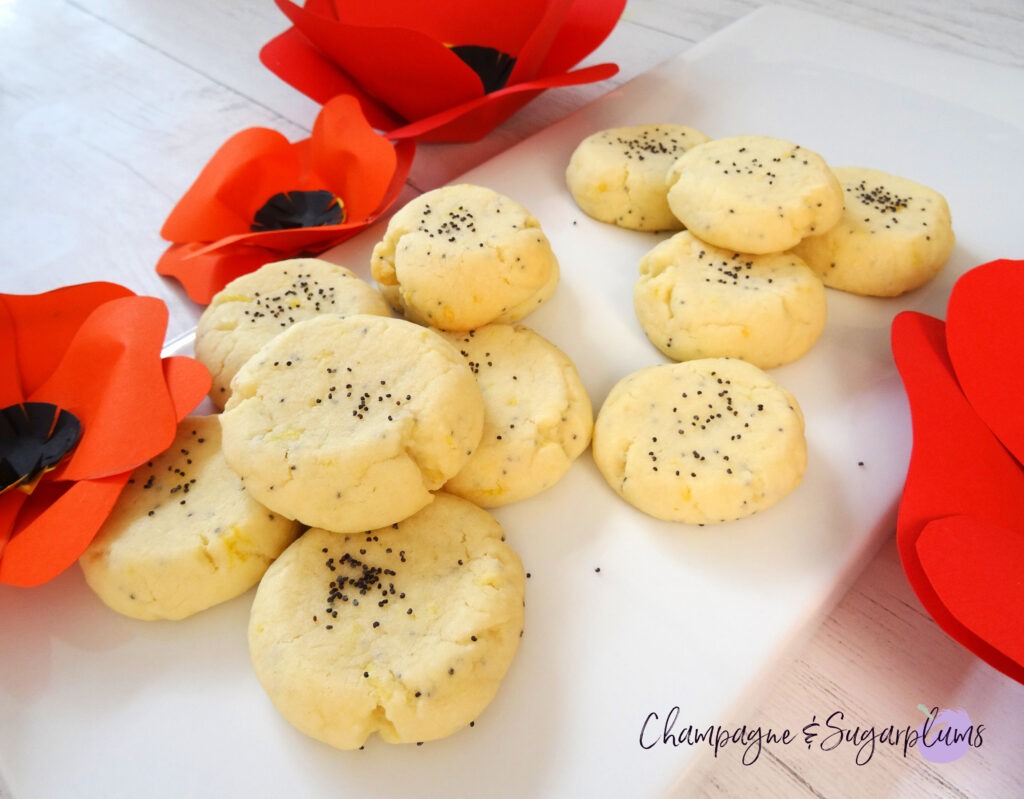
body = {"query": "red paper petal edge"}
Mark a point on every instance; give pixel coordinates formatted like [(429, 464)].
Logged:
[(45, 323), (985, 335), (296, 61), (977, 571), (57, 536), (957, 467), (188, 382), (203, 274)]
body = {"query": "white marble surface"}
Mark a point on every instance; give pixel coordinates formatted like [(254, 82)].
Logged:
[(108, 108)]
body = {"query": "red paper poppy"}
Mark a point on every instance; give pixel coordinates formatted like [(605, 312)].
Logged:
[(262, 198), (960, 528), (91, 353), (440, 71)]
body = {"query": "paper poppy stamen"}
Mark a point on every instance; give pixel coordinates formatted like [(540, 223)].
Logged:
[(299, 209), (492, 66), (34, 437)]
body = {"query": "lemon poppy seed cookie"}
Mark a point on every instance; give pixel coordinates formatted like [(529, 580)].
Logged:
[(185, 534), (257, 306), (619, 175), (754, 194), (350, 423), (405, 632), (538, 418), (895, 235), (463, 256), (694, 300), (700, 442)]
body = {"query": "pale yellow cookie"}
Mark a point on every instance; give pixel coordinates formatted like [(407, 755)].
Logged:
[(538, 417), (700, 442), (894, 236), (185, 534), (694, 300), (463, 256), (619, 175), (255, 307), (406, 632), (754, 194), (350, 423)]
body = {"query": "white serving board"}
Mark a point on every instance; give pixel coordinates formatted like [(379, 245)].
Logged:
[(95, 705)]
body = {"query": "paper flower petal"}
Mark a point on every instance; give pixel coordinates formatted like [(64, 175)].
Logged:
[(977, 570), (300, 64), (244, 173), (957, 468), (46, 322), (203, 274), (985, 336), (453, 23), (10, 378), (352, 160), (585, 25), (188, 383), (11, 503), (112, 379), (531, 55), (62, 520)]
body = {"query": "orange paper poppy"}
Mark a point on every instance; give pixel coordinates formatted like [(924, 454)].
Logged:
[(960, 528), (94, 352), (254, 201), (442, 71)]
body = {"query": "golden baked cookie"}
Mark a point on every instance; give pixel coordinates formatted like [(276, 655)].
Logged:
[(894, 236), (406, 632), (463, 256), (754, 194), (695, 300), (185, 534), (350, 423), (618, 175), (537, 415), (700, 442)]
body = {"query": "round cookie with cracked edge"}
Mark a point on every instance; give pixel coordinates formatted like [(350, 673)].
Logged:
[(894, 236), (700, 442), (184, 534), (618, 175), (405, 632), (694, 300), (351, 423), (255, 307), (463, 256), (538, 417), (754, 194)]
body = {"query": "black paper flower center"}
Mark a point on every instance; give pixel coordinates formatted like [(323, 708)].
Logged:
[(296, 209), (493, 66), (34, 436)]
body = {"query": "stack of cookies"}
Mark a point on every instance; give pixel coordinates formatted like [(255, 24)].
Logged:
[(349, 467), (764, 226)]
